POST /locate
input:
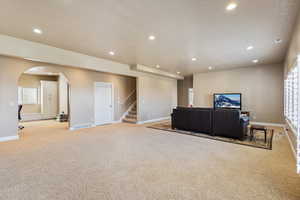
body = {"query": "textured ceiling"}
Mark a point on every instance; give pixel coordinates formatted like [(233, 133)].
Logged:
[(183, 29)]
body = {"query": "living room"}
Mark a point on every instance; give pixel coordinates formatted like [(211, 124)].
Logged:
[(229, 102), (165, 100)]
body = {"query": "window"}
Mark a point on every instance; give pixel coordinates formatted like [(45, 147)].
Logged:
[(291, 105), (291, 97), (27, 95), (20, 94)]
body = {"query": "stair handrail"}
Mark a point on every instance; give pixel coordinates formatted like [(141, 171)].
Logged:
[(128, 97)]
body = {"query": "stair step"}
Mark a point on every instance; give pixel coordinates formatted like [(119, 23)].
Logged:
[(130, 120), (131, 116), (132, 112)]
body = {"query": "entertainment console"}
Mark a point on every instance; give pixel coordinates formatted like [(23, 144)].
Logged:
[(215, 122)]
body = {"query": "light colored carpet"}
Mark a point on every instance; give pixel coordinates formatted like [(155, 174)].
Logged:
[(125, 161)]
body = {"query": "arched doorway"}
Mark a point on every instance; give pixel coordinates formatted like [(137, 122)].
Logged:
[(43, 95)]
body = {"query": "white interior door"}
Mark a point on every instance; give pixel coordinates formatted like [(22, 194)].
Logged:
[(49, 98), (103, 103)]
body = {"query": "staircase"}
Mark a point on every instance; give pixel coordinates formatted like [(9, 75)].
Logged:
[(131, 116)]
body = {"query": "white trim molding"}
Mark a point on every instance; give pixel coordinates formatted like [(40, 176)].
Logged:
[(9, 138), (268, 124), (154, 120), (91, 125), (291, 143), (81, 126)]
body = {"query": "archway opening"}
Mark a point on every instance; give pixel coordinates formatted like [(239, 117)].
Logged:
[(43, 98)]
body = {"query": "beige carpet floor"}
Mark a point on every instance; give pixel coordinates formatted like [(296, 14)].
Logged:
[(132, 162)]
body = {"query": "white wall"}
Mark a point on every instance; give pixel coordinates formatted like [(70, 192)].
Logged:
[(156, 97)]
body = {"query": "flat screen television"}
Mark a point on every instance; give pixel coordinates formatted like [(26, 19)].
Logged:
[(228, 100)]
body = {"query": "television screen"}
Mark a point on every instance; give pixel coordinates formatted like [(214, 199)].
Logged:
[(228, 101)]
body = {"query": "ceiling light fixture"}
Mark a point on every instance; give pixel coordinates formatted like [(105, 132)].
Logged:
[(178, 72), (231, 6), (250, 48), (37, 31), (157, 66), (278, 41), (151, 37), (194, 59), (255, 61), (210, 68), (111, 53)]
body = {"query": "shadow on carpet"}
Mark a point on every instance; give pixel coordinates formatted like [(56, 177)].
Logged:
[(257, 142)]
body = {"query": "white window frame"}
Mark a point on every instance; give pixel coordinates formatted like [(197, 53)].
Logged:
[(21, 98), (291, 98), (292, 104)]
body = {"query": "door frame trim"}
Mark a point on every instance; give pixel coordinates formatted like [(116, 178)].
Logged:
[(41, 103), (104, 84)]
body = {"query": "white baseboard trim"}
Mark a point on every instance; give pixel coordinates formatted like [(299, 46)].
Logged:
[(113, 122), (117, 122), (81, 126), (286, 133), (154, 120), (291, 144), (9, 138), (267, 124)]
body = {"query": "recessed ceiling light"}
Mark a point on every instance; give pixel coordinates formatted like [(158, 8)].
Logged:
[(194, 59), (231, 6), (178, 72), (157, 66), (250, 48), (151, 37), (255, 61), (111, 53), (210, 67), (278, 41), (37, 31)]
